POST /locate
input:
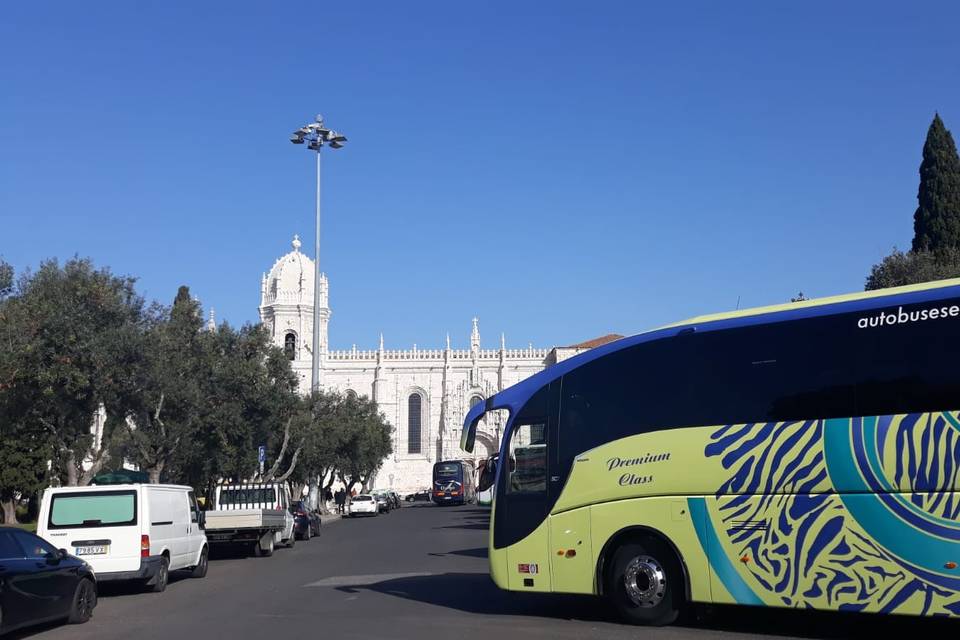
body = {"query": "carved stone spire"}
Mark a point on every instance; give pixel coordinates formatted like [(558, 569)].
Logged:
[(475, 336)]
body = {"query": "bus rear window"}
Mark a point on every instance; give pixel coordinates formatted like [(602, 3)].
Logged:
[(447, 470), (94, 509)]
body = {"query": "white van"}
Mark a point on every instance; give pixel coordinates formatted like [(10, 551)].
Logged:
[(127, 531)]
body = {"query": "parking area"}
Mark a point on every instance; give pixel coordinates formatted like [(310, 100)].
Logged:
[(417, 572)]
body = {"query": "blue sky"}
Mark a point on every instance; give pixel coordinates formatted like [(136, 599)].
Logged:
[(560, 172)]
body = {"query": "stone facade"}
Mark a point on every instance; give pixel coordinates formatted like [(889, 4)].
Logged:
[(425, 393)]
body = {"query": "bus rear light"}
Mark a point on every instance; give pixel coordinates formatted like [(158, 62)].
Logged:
[(144, 546), (951, 565), (454, 493), (571, 553)]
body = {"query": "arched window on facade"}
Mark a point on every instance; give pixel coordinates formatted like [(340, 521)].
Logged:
[(475, 400), (414, 419), (290, 346), (351, 394)]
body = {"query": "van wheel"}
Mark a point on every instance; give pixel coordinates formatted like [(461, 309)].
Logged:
[(200, 571), (263, 551), (84, 601), (309, 533), (159, 582), (645, 583)]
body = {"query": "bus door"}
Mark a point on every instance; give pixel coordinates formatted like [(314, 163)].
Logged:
[(525, 492)]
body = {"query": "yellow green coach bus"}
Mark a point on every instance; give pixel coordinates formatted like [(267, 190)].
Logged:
[(805, 455)]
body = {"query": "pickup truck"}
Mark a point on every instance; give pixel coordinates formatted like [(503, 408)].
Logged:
[(253, 514)]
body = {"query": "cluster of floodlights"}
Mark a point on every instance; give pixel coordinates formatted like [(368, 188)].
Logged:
[(316, 135)]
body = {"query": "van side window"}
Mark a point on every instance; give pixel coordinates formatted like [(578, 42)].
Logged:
[(192, 503)]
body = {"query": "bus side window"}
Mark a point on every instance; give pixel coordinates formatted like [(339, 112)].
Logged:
[(908, 366), (528, 459)]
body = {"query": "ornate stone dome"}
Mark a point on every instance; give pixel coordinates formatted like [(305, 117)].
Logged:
[(290, 280)]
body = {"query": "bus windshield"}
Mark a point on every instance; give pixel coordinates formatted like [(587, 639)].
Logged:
[(447, 470)]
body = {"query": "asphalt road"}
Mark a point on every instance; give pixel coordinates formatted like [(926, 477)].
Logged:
[(417, 573)]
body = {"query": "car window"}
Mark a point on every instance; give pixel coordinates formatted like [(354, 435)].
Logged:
[(34, 546), (9, 549)]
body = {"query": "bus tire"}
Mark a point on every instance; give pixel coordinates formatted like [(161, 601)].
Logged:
[(645, 582)]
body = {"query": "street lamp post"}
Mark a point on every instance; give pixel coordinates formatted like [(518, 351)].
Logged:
[(316, 135)]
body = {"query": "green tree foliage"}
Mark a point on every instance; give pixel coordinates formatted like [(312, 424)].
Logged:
[(935, 253), (78, 330), (914, 267), (936, 222), (364, 442), (23, 466), (168, 405), (249, 397), (184, 404), (6, 279)]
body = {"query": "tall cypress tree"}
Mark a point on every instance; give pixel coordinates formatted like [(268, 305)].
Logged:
[(936, 223)]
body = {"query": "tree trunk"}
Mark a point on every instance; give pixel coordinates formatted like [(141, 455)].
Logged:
[(99, 459), (72, 472), (155, 472), (9, 506), (313, 498), (283, 449)]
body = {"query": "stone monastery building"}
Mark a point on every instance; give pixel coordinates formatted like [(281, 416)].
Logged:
[(425, 393)]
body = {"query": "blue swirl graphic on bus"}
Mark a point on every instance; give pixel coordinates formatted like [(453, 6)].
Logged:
[(849, 513)]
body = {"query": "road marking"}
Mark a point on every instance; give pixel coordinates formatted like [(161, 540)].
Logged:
[(365, 580)]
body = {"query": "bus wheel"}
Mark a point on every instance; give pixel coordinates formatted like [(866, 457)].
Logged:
[(645, 583)]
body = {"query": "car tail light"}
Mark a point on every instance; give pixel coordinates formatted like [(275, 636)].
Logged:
[(144, 546)]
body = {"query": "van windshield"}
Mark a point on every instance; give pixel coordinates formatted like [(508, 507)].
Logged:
[(93, 509)]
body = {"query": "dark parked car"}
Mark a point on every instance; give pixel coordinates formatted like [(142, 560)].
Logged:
[(306, 522), (423, 495), (384, 502), (40, 583)]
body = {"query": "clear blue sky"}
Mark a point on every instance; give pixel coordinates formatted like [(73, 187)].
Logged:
[(560, 173)]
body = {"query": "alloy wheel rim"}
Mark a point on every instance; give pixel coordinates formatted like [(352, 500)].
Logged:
[(645, 582), (85, 604)]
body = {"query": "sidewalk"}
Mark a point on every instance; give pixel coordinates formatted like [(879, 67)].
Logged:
[(326, 518)]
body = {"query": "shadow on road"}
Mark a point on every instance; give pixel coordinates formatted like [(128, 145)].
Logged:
[(134, 587), (476, 593), (479, 526), (479, 552)]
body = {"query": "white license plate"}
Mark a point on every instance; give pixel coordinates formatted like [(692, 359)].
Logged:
[(93, 550)]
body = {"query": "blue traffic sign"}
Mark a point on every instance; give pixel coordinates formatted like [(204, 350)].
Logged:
[(262, 454)]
